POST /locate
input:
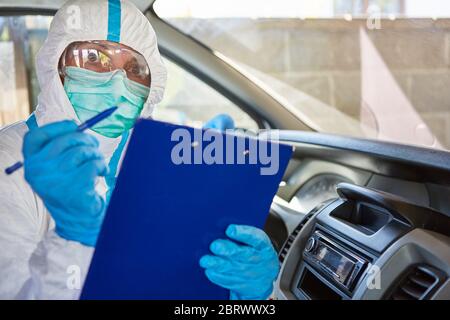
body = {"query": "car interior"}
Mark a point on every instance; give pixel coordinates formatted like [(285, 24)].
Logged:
[(363, 210)]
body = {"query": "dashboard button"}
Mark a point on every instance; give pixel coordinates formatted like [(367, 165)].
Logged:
[(310, 244)]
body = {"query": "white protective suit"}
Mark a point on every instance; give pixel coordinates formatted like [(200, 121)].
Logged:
[(35, 263)]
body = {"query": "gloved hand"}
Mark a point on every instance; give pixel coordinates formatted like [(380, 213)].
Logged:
[(220, 122), (247, 267), (61, 165)]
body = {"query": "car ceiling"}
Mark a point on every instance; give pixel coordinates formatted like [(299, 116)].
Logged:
[(56, 4)]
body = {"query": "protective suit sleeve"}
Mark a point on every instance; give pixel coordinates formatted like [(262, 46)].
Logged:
[(58, 268), (34, 263), (18, 229)]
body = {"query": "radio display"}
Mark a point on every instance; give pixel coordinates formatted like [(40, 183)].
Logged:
[(338, 264)]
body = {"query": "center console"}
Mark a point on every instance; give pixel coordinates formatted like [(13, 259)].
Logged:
[(334, 260), (330, 269), (334, 249)]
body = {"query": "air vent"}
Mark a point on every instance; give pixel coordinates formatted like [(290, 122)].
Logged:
[(290, 240), (418, 284)]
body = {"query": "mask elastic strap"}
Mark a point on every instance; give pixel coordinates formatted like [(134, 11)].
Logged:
[(110, 178)]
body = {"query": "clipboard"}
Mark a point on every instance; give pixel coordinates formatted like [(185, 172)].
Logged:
[(164, 214)]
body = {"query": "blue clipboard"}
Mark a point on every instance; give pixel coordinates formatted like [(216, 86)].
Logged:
[(163, 215)]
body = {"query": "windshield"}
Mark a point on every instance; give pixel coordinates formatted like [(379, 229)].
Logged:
[(373, 69)]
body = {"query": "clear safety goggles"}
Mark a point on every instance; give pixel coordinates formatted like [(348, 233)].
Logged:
[(106, 56)]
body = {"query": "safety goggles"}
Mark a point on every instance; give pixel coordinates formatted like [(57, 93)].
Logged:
[(106, 57)]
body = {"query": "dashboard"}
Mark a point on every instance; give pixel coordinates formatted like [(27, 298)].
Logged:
[(359, 219)]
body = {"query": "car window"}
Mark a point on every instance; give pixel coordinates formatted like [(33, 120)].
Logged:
[(366, 68), (20, 39), (187, 101)]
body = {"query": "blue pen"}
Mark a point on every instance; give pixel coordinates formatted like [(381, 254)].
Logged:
[(86, 125)]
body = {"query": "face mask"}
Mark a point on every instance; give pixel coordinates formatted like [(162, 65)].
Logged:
[(91, 92)]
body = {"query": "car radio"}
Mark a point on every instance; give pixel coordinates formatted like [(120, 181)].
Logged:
[(333, 260)]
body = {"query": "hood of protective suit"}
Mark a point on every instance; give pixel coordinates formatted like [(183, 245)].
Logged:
[(81, 20)]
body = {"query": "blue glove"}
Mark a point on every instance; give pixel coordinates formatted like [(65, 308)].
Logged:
[(247, 267), (221, 122), (61, 165)]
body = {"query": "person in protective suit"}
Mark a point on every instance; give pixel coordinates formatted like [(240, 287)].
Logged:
[(98, 54)]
